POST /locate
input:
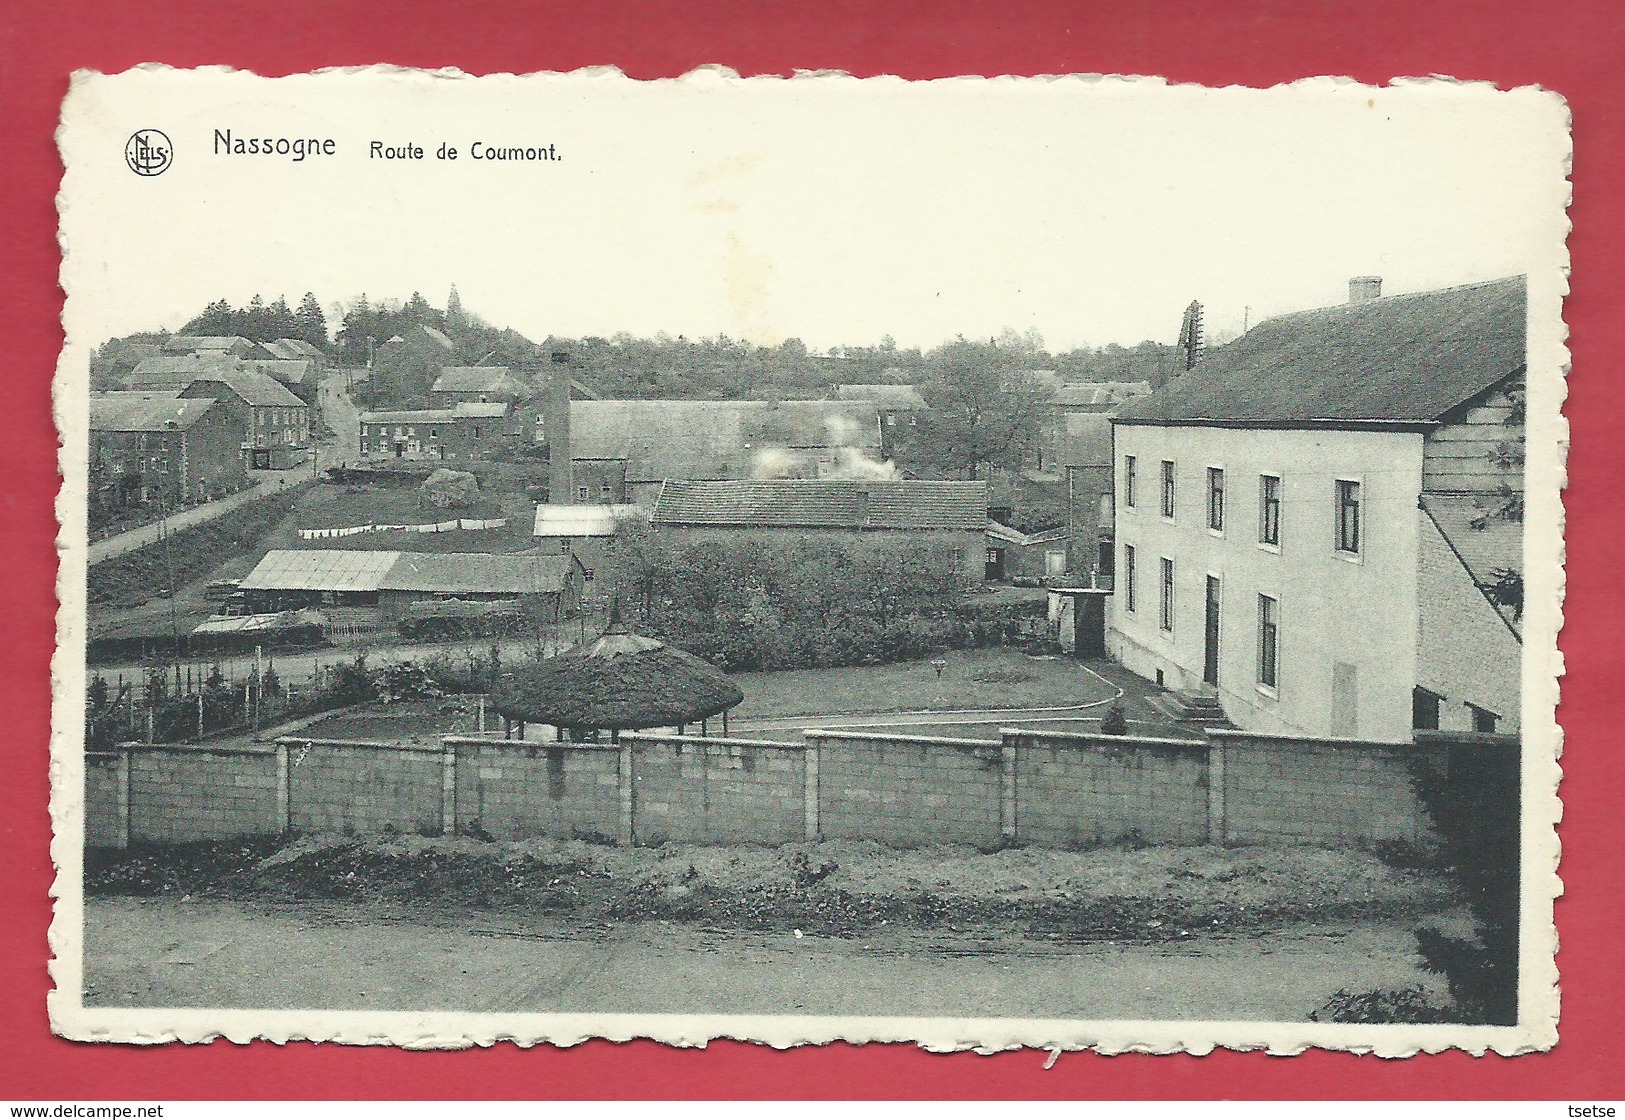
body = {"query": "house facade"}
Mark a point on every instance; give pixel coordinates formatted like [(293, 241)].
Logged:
[(462, 433), (404, 368), (1293, 520), (276, 422), (161, 448), (478, 384)]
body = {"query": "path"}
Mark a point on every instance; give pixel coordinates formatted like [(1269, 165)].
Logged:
[(147, 534), (207, 953)]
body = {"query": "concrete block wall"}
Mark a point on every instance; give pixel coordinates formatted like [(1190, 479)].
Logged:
[(355, 787), (907, 791), (513, 790), (696, 790), (178, 795), (1081, 791), (1279, 789), (106, 800)]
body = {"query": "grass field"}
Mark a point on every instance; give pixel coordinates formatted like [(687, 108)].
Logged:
[(980, 678), (338, 507)]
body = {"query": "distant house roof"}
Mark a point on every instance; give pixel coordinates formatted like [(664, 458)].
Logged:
[(293, 349), (997, 530), (1407, 359), (823, 504), (145, 412), (182, 343), (256, 388), (661, 439), (467, 410), (1098, 396), (580, 521), (289, 371), (892, 398), (177, 371), (480, 379), (478, 573)]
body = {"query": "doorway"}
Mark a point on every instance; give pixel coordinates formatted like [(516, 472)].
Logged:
[(1210, 635)]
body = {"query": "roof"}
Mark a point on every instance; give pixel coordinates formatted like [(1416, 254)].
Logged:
[(661, 439), (289, 371), (259, 389), (181, 342), (580, 521), (1407, 359), (292, 349), (468, 410), (823, 504), (895, 398), (177, 371), (480, 379), (1098, 395), (319, 569), (478, 573), (337, 569), (145, 412), (1011, 535)]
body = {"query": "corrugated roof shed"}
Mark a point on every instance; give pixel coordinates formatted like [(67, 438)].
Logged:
[(319, 569), (1399, 359), (144, 412), (469, 573), (823, 504)]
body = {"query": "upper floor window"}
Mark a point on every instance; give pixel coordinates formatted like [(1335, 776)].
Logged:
[(1128, 481), (1215, 498), (1269, 509), (1166, 615), (1348, 516), (1167, 488)]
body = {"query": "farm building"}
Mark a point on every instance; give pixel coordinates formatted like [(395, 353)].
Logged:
[(950, 514), (1012, 554), (478, 384), (156, 447), (463, 432), (899, 406), (586, 531), (394, 582), (278, 422), (405, 367)]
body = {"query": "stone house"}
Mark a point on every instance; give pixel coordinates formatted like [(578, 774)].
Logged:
[(162, 448), (277, 423)]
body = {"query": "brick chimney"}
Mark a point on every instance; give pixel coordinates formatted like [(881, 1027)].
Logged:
[(1362, 289)]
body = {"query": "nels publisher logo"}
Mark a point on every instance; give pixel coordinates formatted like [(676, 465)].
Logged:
[(148, 152)]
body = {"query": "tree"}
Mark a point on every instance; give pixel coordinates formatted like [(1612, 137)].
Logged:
[(310, 323), (454, 309), (985, 410)]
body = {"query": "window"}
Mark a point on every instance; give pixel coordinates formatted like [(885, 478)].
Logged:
[(1484, 720), (1269, 638), (605, 493), (1128, 481), (1215, 499), (1269, 509), (478, 431), (1424, 710), (1348, 516), (1167, 489), (1166, 620), (434, 433), (583, 493), (1128, 577)]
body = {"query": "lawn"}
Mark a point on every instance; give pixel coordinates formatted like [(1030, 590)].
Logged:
[(980, 678), (332, 506)]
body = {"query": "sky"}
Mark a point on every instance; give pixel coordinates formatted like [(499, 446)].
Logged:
[(835, 211)]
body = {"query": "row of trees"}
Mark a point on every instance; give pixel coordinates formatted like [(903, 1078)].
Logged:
[(264, 322)]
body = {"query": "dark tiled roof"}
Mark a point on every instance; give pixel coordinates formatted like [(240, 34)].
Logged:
[(144, 412), (289, 371), (177, 371), (1400, 359), (254, 387), (808, 504)]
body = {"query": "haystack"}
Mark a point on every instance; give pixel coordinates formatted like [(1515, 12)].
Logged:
[(619, 682)]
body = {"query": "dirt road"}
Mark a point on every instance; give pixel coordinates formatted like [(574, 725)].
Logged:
[(171, 953)]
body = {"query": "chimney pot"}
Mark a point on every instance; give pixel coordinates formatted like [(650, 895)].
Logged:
[(1364, 288)]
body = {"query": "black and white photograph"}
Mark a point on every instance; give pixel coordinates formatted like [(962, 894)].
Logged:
[(1069, 563)]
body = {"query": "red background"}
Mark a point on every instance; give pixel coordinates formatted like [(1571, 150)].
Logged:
[(1577, 48)]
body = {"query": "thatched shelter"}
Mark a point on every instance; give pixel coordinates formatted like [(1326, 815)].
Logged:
[(619, 682)]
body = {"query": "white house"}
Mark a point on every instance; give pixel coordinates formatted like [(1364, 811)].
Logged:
[(1321, 525)]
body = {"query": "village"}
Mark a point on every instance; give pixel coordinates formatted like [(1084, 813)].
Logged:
[(391, 602)]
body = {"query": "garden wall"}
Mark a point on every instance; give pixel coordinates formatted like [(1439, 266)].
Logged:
[(1039, 788)]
